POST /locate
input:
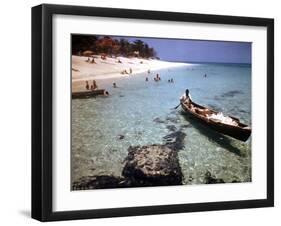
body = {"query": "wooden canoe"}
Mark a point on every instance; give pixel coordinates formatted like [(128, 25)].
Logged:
[(239, 131), (88, 94)]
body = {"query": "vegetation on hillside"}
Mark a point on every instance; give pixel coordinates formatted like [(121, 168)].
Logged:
[(111, 46)]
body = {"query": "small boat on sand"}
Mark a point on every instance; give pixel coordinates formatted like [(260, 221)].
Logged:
[(227, 125), (88, 94)]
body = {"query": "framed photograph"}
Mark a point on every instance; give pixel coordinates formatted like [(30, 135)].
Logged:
[(146, 112)]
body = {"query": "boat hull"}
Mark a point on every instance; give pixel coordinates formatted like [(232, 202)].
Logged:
[(88, 94), (241, 132)]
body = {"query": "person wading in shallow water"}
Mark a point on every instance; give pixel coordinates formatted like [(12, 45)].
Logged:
[(94, 86), (157, 78), (87, 85)]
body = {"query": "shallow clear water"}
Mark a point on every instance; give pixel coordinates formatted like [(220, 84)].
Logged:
[(131, 108)]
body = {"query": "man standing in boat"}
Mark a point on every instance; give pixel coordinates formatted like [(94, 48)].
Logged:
[(186, 97)]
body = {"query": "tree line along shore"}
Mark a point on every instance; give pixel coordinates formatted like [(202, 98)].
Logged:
[(107, 46)]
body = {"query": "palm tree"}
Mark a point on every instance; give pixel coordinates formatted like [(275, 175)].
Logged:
[(116, 47), (152, 52), (146, 51), (125, 47), (139, 46)]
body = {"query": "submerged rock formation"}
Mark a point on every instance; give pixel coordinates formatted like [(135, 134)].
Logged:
[(175, 140), (158, 120), (98, 182), (149, 165), (172, 128), (209, 179), (152, 165)]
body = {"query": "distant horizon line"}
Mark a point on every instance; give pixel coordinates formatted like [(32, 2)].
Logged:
[(206, 62)]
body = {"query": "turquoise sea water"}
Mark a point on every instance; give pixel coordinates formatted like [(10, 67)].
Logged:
[(143, 111)]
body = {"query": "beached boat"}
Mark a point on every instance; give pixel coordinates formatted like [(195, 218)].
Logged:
[(88, 94), (227, 125)]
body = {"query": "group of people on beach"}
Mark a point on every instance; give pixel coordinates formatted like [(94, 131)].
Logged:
[(124, 72), (91, 61), (94, 86)]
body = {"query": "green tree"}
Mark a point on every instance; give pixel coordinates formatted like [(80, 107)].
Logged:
[(139, 46), (82, 43), (125, 47)]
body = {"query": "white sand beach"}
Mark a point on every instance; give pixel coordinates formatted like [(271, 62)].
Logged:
[(105, 71)]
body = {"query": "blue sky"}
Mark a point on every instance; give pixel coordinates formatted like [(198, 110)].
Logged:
[(199, 51)]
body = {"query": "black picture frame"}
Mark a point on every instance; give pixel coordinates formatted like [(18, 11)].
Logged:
[(42, 107)]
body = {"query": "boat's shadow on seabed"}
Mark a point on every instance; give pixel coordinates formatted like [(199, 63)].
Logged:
[(214, 136)]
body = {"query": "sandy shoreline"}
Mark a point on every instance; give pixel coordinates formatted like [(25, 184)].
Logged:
[(105, 72)]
